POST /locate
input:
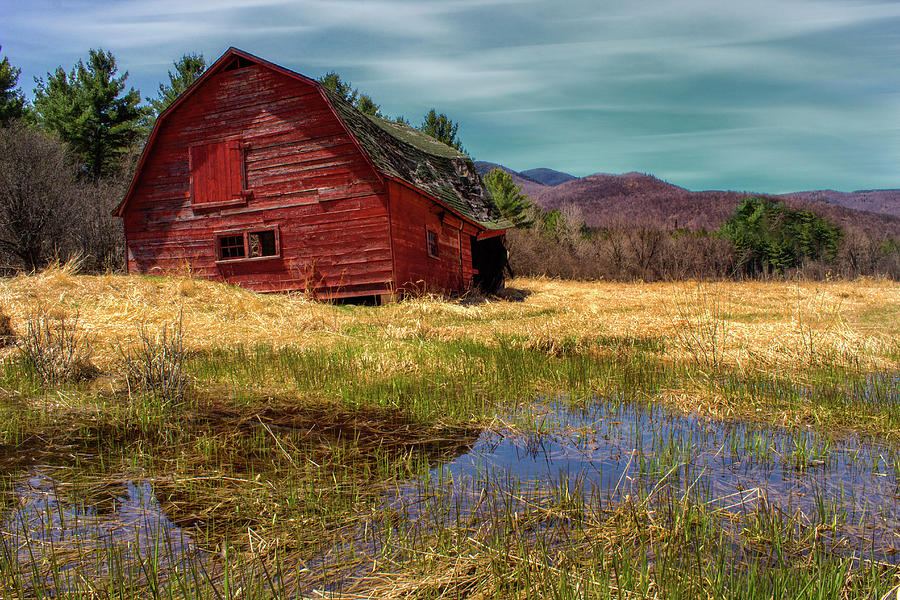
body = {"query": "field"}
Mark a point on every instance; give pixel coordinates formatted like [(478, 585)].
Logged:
[(169, 438)]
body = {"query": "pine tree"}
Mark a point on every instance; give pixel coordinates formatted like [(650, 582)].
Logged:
[(770, 236), (88, 110), (367, 106), (440, 127), (187, 70), (513, 204), (363, 102), (12, 102), (343, 88)]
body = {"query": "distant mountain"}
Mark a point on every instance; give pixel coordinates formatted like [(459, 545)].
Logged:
[(885, 202), (529, 186), (548, 176), (606, 200), (609, 200)]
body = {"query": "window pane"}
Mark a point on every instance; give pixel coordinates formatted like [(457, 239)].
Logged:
[(432, 242), (231, 246)]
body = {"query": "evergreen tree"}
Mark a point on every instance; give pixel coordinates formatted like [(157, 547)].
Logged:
[(12, 102), (363, 102), (187, 70), (772, 237), (343, 88), (88, 110), (513, 204), (367, 106), (440, 127)]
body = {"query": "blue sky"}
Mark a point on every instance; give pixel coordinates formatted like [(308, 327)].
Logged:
[(769, 95)]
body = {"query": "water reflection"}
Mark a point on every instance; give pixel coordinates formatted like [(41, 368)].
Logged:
[(101, 530), (611, 449)]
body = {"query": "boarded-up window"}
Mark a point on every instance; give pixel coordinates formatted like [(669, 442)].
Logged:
[(217, 172)]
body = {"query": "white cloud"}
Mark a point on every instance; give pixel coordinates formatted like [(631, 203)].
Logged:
[(688, 76)]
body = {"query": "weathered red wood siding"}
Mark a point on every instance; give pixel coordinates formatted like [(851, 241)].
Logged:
[(306, 176), (412, 214)]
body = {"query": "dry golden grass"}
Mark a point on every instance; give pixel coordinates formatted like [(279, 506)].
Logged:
[(112, 308), (780, 325), (777, 325)]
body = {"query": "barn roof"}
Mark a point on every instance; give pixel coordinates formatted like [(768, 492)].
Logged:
[(405, 153), (396, 150)]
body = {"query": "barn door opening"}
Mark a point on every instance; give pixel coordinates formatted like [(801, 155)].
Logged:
[(490, 260)]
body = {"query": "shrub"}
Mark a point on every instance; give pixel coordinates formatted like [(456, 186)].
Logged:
[(155, 365), (37, 195), (54, 351), (45, 214)]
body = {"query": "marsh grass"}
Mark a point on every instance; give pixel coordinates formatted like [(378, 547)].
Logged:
[(155, 365), (700, 326), (457, 380), (301, 460), (322, 523), (505, 543)]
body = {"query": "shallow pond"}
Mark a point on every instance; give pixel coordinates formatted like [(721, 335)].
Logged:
[(610, 449), (96, 527), (594, 455)]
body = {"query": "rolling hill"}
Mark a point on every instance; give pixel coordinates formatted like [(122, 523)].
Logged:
[(609, 200), (548, 176), (885, 202)]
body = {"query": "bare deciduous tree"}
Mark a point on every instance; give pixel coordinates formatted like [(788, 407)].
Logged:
[(46, 213), (96, 234), (36, 195)]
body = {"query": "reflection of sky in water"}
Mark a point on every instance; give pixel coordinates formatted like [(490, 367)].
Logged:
[(604, 451), (123, 524), (611, 449)]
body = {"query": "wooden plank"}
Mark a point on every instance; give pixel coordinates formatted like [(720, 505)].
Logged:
[(306, 174)]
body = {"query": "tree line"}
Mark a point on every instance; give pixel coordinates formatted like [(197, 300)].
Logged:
[(66, 158), (763, 238)]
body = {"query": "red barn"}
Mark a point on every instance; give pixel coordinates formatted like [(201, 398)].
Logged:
[(261, 177)]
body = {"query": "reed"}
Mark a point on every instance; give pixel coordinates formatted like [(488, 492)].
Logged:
[(320, 450)]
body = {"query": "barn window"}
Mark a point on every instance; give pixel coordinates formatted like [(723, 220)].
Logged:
[(231, 246), (217, 173), (431, 241), (248, 245), (261, 243)]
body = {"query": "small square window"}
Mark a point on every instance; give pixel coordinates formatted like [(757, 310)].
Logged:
[(231, 246), (248, 245), (431, 240), (261, 243)]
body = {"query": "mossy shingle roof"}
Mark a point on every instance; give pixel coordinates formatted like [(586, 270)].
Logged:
[(423, 162)]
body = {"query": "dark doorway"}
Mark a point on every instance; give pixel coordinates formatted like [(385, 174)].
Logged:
[(489, 259)]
